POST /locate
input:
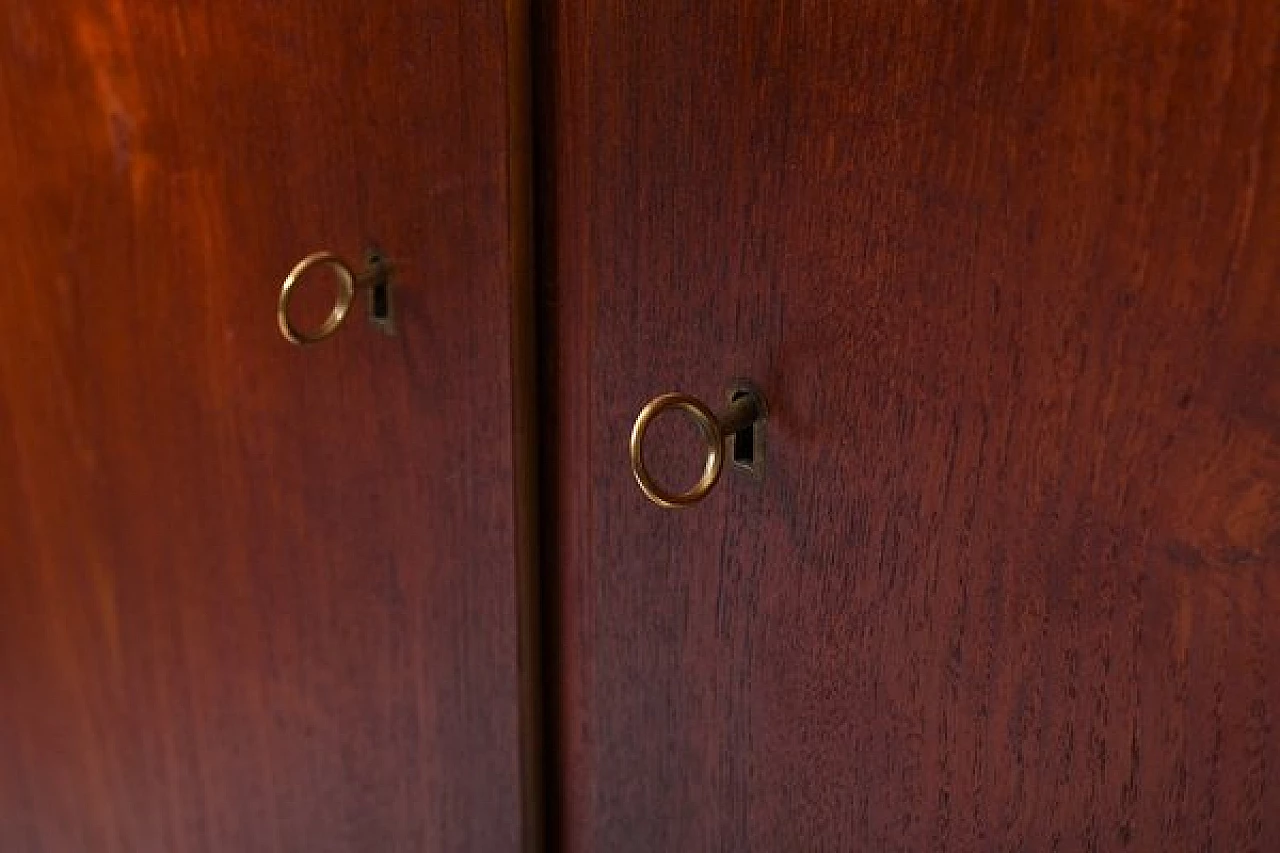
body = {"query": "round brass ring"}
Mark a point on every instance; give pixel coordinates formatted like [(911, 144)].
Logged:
[(710, 429), (346, 295)]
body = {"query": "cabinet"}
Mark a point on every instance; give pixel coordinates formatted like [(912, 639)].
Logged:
[(255, 597), (1006, 274)]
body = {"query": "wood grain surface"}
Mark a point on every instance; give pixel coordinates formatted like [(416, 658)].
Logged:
[(254, 598), (1009, 274)]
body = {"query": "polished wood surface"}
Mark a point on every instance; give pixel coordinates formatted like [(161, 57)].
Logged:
[(252, 597), (1009, 275)]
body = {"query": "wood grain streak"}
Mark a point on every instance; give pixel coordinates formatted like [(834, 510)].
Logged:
[(254, 598), (1008, 275)]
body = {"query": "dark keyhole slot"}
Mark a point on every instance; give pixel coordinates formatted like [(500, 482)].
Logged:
[(378, 276), (381, 302), (744, 441)]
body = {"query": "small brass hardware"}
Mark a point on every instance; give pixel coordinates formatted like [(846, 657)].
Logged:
[(748, 441), (376, 279), (742, 421)]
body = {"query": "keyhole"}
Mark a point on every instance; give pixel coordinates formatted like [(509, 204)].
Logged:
[(748, 442), (381, 309), (379, 291), (744, 440)]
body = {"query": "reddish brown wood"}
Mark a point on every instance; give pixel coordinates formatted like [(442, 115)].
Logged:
[(1008, 275), (254, 598)]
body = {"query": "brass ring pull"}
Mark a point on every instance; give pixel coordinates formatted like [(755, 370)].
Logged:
[(346, 295), (745, 410), (375, 280)]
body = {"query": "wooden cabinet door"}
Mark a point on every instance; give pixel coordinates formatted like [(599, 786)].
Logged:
[(255, 597), (1009, 276)]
